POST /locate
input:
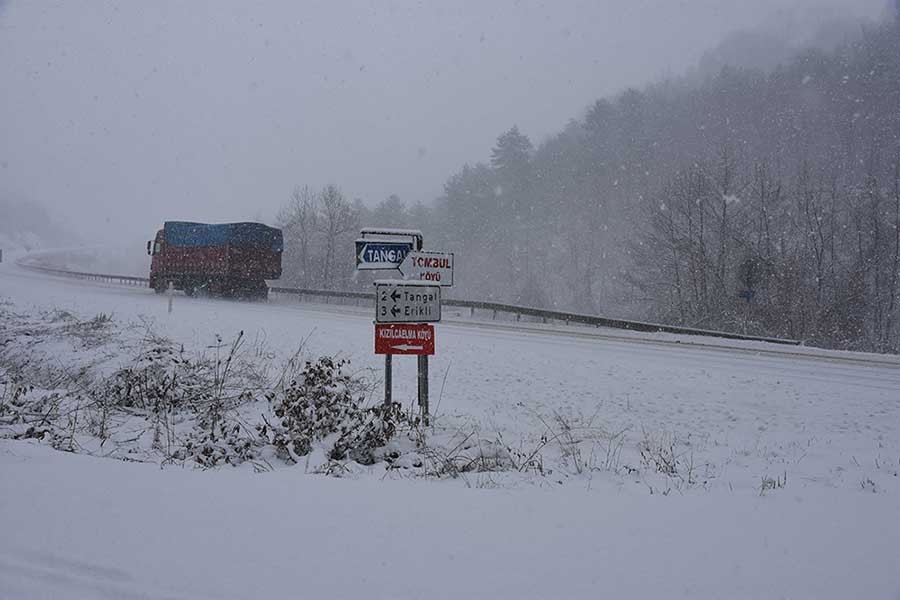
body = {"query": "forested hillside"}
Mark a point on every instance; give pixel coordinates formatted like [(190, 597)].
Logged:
[(765, 202)]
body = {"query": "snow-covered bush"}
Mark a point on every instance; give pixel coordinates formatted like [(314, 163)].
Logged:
[(228, 442), (165, 378), (207, 408), (323, 405)]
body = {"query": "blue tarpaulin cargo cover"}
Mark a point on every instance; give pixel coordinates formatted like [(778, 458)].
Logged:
[(188, 234)]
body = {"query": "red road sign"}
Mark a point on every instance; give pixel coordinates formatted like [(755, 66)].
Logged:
[(404, 338)]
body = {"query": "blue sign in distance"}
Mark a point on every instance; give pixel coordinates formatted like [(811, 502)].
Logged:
[(373, 254)]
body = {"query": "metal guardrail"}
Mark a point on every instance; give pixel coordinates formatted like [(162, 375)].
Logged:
[(323, 293), (597, 321), (473, 305), (550, 315), (105, 277)]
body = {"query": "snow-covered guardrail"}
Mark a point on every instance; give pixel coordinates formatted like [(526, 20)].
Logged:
[(494, 307)]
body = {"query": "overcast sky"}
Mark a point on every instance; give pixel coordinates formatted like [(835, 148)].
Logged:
[(119, 115)]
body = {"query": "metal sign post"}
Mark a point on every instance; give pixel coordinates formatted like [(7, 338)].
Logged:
[(423, 387), (387, 379), (404, 309), (404, 338)]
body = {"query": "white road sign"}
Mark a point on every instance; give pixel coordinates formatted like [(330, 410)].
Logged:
[(433, 267), (407, 302)]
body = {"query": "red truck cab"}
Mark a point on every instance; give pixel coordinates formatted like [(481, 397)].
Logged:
[(227, 259)]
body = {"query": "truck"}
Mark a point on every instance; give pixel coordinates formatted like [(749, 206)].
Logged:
[(225, 259)]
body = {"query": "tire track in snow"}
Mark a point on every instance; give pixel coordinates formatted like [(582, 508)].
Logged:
[(30, 575)]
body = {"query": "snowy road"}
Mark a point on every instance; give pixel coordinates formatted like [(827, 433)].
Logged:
[(830, 421)]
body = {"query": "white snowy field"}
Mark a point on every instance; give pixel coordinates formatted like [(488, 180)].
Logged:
[(827, 422), (82, 527)]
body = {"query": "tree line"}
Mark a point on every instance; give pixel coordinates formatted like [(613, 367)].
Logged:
[(765, 202)]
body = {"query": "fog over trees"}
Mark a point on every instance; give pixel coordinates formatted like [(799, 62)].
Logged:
[(27, 226), (760, 198)]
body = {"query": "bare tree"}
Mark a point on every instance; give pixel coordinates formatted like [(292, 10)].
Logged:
[(889, 341), (299, 220), (336, 219)]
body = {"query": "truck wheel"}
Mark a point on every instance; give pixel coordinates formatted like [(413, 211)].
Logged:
[(258, 292), (200, 289)]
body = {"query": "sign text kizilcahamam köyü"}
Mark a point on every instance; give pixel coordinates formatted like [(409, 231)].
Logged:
[(404, 334)]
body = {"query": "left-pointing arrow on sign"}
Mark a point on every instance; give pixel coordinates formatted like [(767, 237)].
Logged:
[(408, 347)]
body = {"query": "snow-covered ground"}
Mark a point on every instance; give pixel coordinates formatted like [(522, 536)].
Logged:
[(828, 422), (80, 527)]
